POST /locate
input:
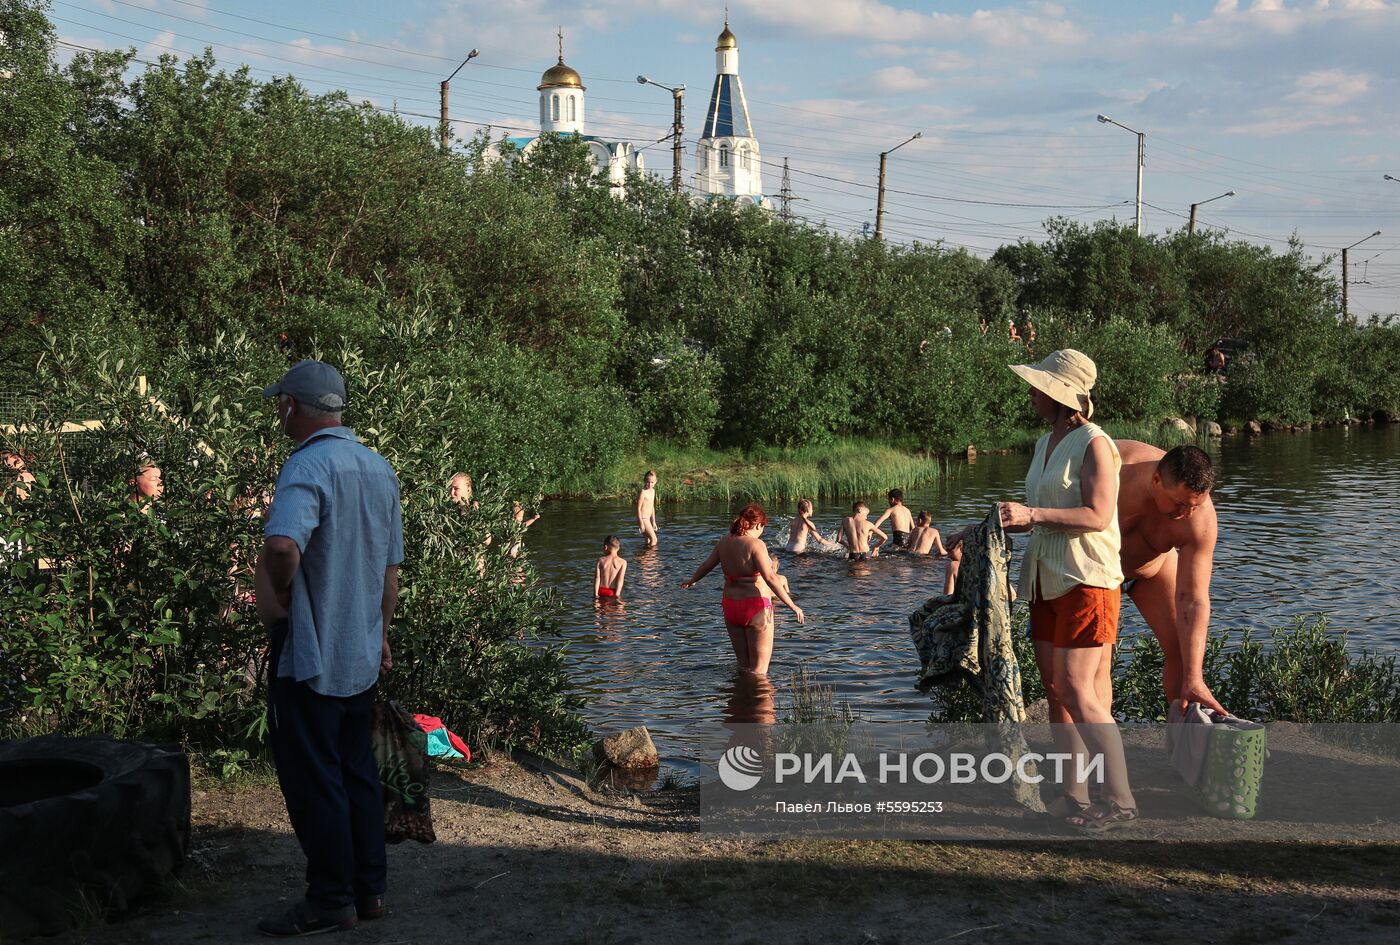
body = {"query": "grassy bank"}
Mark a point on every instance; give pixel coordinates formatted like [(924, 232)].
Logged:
[(846, 467)]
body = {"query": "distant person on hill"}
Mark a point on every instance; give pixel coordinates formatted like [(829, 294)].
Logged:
[(610, 571), (646, 509), (901, 522), (925, 538), (802, 527), (1215, 360), (1169, 533), (1011, 331), (856, 532), (744, 559)]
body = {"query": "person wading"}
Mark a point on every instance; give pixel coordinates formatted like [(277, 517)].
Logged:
[(327, 585)]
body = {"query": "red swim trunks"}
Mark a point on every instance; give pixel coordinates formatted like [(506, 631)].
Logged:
[(740, 613), (606, 592)]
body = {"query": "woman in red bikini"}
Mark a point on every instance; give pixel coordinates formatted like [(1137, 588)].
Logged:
[(743, 558)]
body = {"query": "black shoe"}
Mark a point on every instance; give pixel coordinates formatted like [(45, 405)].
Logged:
[(369, 908), (302, 919)]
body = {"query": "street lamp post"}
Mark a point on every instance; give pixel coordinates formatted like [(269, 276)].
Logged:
[(1191, 223), (1141, 160), (442, 99), (1346, 273), (880, 200), (677, 127)]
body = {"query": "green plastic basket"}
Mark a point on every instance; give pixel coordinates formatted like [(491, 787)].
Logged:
[(1233, 767)]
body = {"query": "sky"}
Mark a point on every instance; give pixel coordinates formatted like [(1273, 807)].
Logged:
[(1292, 104)]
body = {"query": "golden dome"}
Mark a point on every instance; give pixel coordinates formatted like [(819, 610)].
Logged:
[(561, 76), (727, 40)]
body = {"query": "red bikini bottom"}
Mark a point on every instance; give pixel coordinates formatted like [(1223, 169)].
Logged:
[(740, 613)]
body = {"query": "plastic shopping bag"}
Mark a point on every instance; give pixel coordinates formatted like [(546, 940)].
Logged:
[(401, 749)]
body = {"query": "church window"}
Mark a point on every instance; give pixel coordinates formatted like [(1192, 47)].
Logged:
[(544, 109), (724, 155), (744, 158), (573, 108), (554, 108)]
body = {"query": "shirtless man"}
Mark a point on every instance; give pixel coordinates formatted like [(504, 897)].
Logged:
[(856, 532), (646, 509), (901, 522), (1169, 530)]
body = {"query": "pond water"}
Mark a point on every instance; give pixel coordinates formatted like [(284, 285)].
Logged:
[(1306, 526)]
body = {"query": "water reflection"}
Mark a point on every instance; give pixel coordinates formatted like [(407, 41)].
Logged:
[(750, 699), (1304, 527)]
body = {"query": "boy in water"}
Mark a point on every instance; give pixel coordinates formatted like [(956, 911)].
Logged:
[(802, 527), (646, 509), (856, 531), (610, 571), (925, 538), (901, 522)]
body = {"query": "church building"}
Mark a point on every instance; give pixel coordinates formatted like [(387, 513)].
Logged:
[(561, 91), (727, 157)]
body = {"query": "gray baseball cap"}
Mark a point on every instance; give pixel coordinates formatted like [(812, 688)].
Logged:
[(311, 382)]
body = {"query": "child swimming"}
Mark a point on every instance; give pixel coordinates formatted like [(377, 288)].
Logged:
[(856, 532), (610, 571), (646, 509), (802, 527), (924, 539), (901, 522)]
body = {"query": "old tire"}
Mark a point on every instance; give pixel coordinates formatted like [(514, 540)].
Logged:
[(86, 825)]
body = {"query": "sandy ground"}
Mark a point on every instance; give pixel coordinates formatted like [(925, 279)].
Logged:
[(528, 855)]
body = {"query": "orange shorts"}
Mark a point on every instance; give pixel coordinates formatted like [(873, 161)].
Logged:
[(1086, 616)]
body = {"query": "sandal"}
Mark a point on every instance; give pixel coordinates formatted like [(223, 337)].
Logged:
[(1101, 817), (1070, 806)]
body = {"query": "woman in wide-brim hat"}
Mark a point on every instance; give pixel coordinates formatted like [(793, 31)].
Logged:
[(1071, 576)]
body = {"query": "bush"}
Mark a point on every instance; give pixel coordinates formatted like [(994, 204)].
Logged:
[(128, 623), (1304, 674)]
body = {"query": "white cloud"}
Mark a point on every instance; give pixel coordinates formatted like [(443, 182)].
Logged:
[(897, 80), (1329, 87)]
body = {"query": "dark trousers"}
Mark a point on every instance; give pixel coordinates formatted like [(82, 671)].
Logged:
[(324, 752)]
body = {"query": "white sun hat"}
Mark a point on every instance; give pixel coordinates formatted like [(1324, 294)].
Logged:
[(1065, 376)]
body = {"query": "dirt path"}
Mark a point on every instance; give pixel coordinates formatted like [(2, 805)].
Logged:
[(522, 857)]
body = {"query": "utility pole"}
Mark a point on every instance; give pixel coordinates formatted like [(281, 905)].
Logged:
[(785, 195), (443, 120), (880, 199), (1346, 274), (1191, 223), (678, 129), (1141, 161)]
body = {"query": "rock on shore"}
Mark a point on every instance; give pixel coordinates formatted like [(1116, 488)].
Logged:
[(630, 749)]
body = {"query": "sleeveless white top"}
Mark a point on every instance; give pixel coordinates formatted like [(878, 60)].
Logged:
[(1058, 559)]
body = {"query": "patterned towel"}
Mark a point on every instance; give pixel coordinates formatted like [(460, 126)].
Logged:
[(966, 635)]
